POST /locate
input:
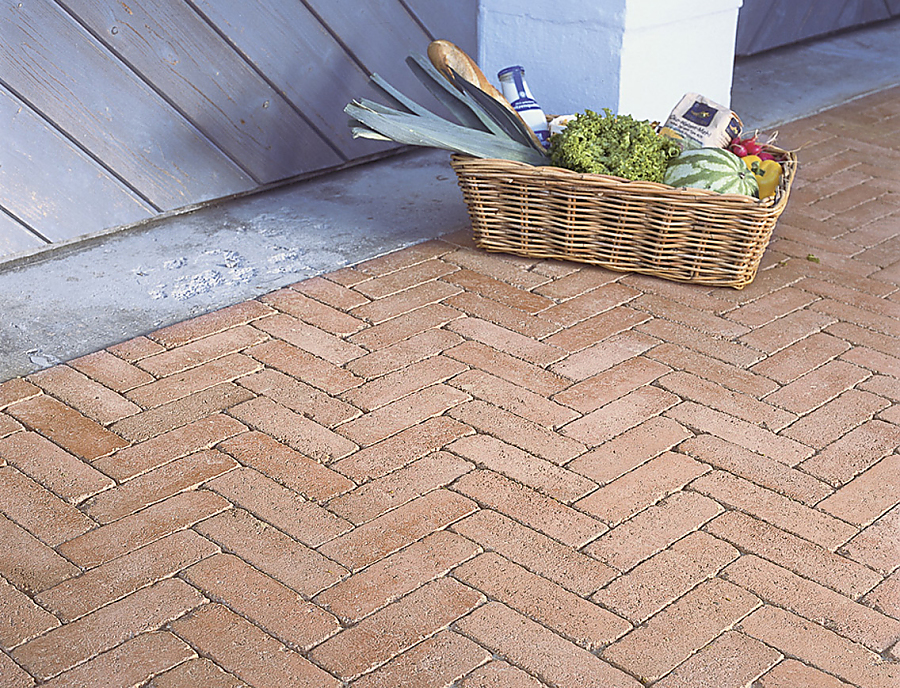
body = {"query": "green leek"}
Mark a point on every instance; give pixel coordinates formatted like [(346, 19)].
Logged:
[(484, 127)]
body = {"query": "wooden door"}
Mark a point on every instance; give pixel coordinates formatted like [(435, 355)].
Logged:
[(767, 24), (114, 112)]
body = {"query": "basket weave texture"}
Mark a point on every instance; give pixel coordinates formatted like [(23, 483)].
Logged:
[(687, 235)]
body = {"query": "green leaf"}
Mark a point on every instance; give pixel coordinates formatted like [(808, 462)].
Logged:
[(400, 99), (486, 128), (444, 92), (438, 133), (511, 125)]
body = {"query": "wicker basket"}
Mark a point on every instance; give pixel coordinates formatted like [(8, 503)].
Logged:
[(688, 235)]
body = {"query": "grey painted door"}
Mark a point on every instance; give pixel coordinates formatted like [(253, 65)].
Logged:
[(113, 112), (767, 24)]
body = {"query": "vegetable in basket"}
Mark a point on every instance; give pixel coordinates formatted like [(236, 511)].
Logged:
[(616, 145), (742, 147), (766, 171), (714, 169), (484, 128)]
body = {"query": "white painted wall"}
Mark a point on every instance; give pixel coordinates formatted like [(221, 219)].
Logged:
[(570, 48), (635, 57), (672, 47)]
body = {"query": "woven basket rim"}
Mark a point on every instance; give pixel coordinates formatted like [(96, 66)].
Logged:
[(788, 159)]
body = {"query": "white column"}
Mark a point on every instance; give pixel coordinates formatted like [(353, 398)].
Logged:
[(635, 57), (672, 47)]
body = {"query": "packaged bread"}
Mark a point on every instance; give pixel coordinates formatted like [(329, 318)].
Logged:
[(697, 122)]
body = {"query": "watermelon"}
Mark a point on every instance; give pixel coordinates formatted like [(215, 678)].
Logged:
[(715, 169)]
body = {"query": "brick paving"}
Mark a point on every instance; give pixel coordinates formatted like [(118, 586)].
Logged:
[(442, 467)]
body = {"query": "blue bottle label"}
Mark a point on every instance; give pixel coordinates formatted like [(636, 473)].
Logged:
[(523, 104), (520, 84)]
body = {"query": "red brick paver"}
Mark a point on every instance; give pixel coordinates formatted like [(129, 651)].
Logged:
[(443, 467)]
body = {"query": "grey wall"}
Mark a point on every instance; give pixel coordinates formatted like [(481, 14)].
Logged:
[(767, 24), (113, 112)]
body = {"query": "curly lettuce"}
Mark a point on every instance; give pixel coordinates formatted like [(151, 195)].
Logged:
[(612, 144)]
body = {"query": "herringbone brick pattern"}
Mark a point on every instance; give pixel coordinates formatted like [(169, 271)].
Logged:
[(443, 467)]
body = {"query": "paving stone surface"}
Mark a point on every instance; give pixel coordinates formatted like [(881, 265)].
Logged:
[(443, 467)]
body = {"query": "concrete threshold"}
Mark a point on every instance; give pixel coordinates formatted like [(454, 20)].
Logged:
[(67, 301), (71, 300)]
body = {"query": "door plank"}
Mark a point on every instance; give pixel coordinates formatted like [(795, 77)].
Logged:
[(380, 33), (455, 21), (752, 17), (173, 48), (766, 24), (76, 83), (51, 185), (15, 238), (285, 42)]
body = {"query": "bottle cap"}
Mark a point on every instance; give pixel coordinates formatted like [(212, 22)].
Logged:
[(510, 71)]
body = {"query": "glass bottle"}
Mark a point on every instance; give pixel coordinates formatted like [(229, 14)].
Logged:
[(516, 91)]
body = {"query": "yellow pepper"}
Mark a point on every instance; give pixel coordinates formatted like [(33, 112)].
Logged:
[(767, 173)]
